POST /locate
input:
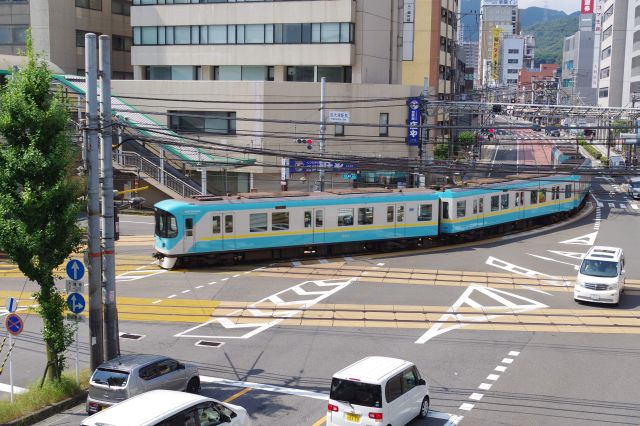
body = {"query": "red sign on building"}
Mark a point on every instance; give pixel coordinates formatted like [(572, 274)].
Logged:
[(587, 7)]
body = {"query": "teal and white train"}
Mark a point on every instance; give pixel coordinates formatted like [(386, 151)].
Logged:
[(276, 226)]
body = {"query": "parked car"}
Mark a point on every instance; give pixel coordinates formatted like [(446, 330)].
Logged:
[(634, 187), (170, 408), (128, 375), (377, 391), (601, 276), (616, 161), (536, 128), (552, 131)]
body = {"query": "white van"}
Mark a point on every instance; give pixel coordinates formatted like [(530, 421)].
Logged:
[(377, 390), (601, 276), (169, 408)]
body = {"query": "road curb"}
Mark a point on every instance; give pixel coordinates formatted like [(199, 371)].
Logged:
[(49, 411)]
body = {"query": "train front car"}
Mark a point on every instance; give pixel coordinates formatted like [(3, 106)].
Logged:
[(169, 234)]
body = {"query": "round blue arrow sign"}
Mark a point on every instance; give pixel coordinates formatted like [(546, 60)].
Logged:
[(75, 303), (75, 269), (14, 324)]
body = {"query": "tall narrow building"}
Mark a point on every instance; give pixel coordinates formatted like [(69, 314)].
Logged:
[(496, 17)]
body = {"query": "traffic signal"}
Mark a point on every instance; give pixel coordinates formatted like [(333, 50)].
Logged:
[(497, 108), (308, 142)]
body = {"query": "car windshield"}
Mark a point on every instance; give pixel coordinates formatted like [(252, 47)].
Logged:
[(635, 185), (599, 268), (111, 378), (356, 393)]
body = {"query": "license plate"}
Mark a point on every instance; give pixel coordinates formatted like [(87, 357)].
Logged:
[(595, 297), (352, 417)]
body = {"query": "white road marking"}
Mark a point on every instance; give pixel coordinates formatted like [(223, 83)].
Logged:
[(348, 259), (380, 264), (171, 297), (493, 377), (236, 275), (157, 301), (476, 396), (514, 353), (612, 205), (323, 261), (500, 368), (623, 206), (634, 206), (263, 387), (501, 264), (453, 419), (550, 259), (185, 291), (7, 388), (296, 263), (200, 286), (483, 315), (528, 287), (247, 272), (466, 407), (507, 360), (600, 204), (585, 240), (485, 386), (225, 279), (212, 282)]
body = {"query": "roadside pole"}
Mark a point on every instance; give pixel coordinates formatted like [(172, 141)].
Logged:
[(323, 128), (11, 365), (95, 271), (111, 336)]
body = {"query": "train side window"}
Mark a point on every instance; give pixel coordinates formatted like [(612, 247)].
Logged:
[(495, 203), (279, 221), (461, 209), (228, 224), (188, 226), (258, 222), (365, 216), (534, 197), (504, 201), (445, 210), (475, 206), (345, 217), (307, 218), (542, 195), (567, 191), (522, 198), (425, 212), (400, 214), (481, 205), (319, 218), (390, 214), (216, 225)]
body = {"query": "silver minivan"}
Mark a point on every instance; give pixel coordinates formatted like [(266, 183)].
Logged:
[(128, 375)]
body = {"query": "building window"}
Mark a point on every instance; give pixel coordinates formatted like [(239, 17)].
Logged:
[(120, 75), (512, 61), (300, 74), (568, 65), (80, 37), (13, 34), (245, 72), (607, 33), (514, 51), (512, 71), (89, 4), (604, 92), (174, 72), (339, 130), (383, 122), (604, 73), (606, 53), (335, 74), (121, 7), (216, 122), (121, 43)]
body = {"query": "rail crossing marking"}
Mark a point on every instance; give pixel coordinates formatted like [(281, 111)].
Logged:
[(504, 305), (261, 309), (585, 240)]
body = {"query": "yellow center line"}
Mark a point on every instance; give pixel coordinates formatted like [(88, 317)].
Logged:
[(237, 395), (320, 421)]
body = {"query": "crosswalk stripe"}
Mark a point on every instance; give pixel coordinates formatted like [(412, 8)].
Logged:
[(612, 205), (634, 206), (623, 206), (600, 204)]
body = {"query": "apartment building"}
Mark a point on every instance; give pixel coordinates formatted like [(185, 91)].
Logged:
[(577, 69), (496, 17), (59, 26), (631, 80), (613, 52), (511, 58)]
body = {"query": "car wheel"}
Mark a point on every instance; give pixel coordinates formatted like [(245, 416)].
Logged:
[(424, 408), (194, 385)]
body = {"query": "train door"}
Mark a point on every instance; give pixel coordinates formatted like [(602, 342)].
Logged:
[(519, 204), (228, 233), (189, 237), (444, 214), (400, 220), (478, 212), (318, 226)]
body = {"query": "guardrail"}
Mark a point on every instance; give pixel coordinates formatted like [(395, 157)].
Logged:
[(155, 172)]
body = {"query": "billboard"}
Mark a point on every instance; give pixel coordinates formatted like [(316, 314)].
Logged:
[(495, 53), (586, 7), (413, 131)]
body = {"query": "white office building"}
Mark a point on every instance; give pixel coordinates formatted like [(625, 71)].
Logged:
[(502, 14), (511, 58)]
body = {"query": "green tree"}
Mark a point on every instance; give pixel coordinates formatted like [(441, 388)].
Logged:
[(38, 200), (441, 152)]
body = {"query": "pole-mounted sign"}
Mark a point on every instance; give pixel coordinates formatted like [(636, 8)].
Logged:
[(413, 131)]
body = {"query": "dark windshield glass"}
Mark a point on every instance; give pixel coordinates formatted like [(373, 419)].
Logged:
[(111, 378), (356, 393), (599, 268), (166, 225), (635, 185)]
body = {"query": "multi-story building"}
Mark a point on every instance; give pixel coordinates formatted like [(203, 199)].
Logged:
[(613, 51), (496, 17), (538, 86), (631, 80), (470, 56), (529, 51), (511, 58), (577, 69), (59, 26)]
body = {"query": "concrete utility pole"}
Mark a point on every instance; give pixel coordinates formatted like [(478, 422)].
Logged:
[(94, 269), (111, 335), (323, 128)]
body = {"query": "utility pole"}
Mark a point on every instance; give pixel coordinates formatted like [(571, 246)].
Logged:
[(111, 335), (323, 129), (94, 269)]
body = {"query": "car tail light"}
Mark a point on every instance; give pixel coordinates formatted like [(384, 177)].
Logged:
[(332, 407), (376, 416)]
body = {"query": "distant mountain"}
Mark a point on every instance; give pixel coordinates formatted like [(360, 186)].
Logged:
[(534, 15), (550, 36)]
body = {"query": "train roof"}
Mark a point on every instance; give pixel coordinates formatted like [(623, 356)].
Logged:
[(524, 181)]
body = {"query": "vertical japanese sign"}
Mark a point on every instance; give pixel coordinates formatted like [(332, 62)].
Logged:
[(597, 30), (495, 53), (408, 19), (587, 7), (413, 131)]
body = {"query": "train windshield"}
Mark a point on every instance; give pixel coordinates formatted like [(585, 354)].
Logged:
[(166, 224)]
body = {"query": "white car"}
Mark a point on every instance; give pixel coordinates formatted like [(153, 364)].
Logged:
[(170, 408), (601, 276)]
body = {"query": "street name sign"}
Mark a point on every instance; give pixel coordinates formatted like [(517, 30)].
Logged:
[(340, 117), (73, 286)]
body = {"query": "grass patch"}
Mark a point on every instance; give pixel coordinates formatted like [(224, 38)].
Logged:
[(590, 149), (38, 397)]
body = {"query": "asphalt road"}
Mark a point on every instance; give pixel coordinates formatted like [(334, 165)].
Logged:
[(492, 325)]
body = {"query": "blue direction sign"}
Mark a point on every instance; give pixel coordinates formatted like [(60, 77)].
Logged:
[(14, 324), (75, 303), (75, 269)]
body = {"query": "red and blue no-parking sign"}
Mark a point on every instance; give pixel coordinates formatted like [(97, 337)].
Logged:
[(14, 324)]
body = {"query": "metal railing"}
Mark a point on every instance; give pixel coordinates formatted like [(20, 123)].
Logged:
[(153, 171)]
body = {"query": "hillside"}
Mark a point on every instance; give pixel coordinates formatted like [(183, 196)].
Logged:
[(550, 37)]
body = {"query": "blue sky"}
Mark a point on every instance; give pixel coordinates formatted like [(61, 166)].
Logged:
[(568, 6)]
